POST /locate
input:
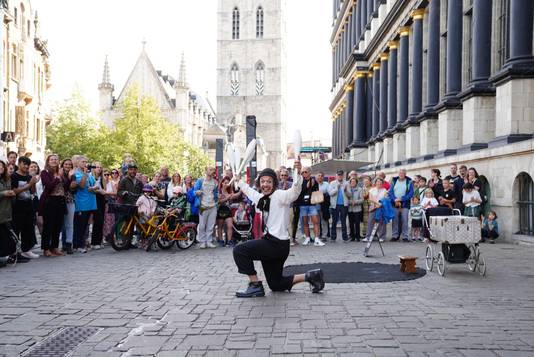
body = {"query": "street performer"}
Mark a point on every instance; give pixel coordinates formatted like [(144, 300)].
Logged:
[(273, 249)]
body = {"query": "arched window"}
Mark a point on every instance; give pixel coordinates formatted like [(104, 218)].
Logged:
[(234, 80), (259, 22), (235, 24), (260, 78), (525, 201)]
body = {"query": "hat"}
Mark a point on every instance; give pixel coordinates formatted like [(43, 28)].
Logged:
[(132, 165), (177, 189), (340, 172), (148, 188)]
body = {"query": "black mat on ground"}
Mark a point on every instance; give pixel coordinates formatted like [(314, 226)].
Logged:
[(357, 272)]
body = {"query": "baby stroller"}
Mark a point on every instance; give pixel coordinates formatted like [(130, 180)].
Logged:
[(242, 229), (458, 236)]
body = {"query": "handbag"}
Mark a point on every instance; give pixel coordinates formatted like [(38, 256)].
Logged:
[(316, 197)]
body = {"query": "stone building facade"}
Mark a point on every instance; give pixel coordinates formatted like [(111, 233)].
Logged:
[(251, 71), (25, 81), (178, 103), (420, 84)]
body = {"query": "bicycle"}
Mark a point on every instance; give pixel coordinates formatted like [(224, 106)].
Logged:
[(128, 223), (171, 230)]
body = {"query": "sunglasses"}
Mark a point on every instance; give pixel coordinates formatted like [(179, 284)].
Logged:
[(304, 172), (114, 173)]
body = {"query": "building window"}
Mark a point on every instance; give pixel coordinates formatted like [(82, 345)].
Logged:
[(443, 48), (16, 16), (259, 22), (38, 130), (525, 191), (235, 24), (503, 21), (234, 80), (468, 42), (260, 78)]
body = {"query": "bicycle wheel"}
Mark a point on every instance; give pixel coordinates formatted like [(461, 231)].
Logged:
[(152, 241), (190, 235), (122, 235), (164, 242)]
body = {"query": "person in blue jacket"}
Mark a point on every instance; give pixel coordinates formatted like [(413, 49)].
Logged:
[(401, 193)]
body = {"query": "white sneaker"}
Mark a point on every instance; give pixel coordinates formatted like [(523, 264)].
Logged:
[(306, 241), (202, 246), (29, 254), (210, 245), (96, 247), (381, 240), (82, 250), (318, 243), (365, 240)]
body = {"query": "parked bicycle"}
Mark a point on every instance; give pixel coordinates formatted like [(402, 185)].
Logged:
[(173, 229)]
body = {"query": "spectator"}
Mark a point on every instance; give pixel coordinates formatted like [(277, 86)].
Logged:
[(176, 180), (461, 181), (473, 178), (308, 211), (435, 182), (354, 194), (146, 205), (68, 219), (367, 186), (377, 193), (447, 197), (416, 215), (224, 213), (324, 208), (164, 175), (130, 187), (385, 184), (471, 200), (490, 228), (84, 200), (206, 201), (422, 188), (12, 159), (99, 190), (284, 184), (401, 193), (7, 246), (52, 205), (178, 202), (339, 203), (23, 211), (111, 182), (429, 201)]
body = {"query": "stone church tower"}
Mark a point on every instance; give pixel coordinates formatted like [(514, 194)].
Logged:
[(251, 71)]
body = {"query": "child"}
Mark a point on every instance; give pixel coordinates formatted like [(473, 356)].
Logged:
[(178, 202), (421, 188), (429, 201), (240, 214), (471, 200), (416, 214), (146, 205), (490, 228)]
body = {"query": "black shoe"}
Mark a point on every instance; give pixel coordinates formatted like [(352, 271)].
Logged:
[(21, 259), (316, 279), (394, 239), (405, 240), (253, 290), (353, 239), (492, 241)]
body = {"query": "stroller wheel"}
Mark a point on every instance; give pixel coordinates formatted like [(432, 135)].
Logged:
[(481, 265), (429, 258), (441, 263)]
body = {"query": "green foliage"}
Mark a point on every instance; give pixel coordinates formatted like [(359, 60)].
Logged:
[(141, 131)]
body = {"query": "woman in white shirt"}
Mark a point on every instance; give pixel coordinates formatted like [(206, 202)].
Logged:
[(273, 249), (375, 195), (176, 180)]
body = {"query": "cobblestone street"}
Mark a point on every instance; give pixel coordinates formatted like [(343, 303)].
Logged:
[(182, 303)]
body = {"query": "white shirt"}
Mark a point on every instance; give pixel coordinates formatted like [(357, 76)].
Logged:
[(467, 198), (278, 219), (433, 202)]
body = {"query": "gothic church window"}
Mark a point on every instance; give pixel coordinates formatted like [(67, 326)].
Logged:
[(234, 80), (260, 78), (259, 22), (235, 24)]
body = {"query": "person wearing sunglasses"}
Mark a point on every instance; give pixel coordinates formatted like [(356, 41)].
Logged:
[(308, 211)]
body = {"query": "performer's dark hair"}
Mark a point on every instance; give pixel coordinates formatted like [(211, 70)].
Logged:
[(272, 174)]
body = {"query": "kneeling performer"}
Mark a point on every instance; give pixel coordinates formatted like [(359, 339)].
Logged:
[(273, 249)]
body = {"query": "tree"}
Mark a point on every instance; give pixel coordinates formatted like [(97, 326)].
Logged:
[(141, 131)]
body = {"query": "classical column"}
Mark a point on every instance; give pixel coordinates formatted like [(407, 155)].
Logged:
[(432, 93), (357, 26), (363, 15), (454, 49), (383, 93), (369, 99), (417, 63), (392, 85), (481, 43), (349, 93), (360, 110), (376, 99), (404, 48), (520, 33), (370, 4)]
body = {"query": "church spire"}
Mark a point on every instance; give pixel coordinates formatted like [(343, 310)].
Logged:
[(105, 75), (182, 79)]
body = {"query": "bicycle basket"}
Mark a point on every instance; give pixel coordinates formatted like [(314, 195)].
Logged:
[(122, 208)]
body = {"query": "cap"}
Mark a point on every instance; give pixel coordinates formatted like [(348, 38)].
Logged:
[(340, 172), (148, 188), (132, 165)]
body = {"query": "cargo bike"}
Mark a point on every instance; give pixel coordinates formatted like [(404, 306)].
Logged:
[(453, 239)]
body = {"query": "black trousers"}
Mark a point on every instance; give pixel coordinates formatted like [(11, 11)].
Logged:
[(489, 234), (354, 224), (272, 252), (98, 222), (8, 243), (53, 217), (24, 224), (295, 222), (81, 223)]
